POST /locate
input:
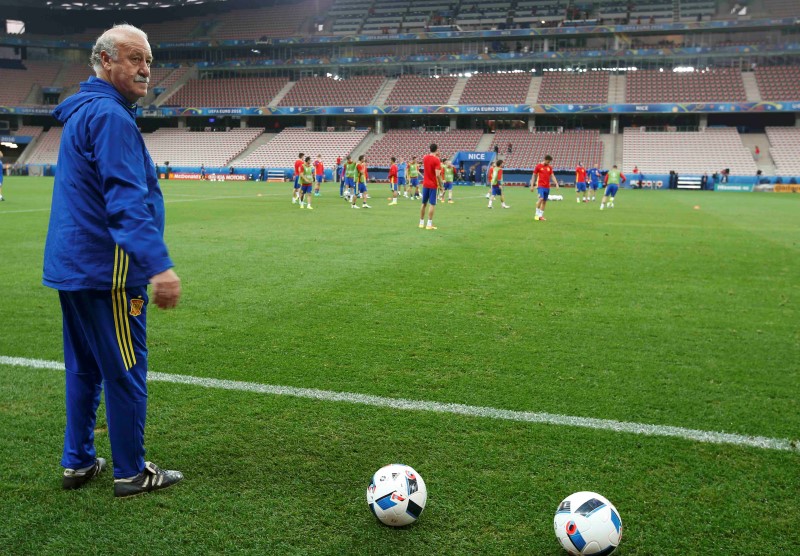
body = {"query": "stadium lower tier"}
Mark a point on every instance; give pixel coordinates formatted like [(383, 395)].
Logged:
[(650, 153)]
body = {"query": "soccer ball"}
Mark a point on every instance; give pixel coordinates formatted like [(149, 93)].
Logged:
[(397, 495), (587, 523)]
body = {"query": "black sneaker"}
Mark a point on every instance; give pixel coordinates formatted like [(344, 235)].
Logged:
[(152, 478), (75, 478)]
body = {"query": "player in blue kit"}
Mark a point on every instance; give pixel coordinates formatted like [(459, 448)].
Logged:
[(594, 175), (401, 178), (105, 242)]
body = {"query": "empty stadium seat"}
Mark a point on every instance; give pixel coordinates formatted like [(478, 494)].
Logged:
[(324, 91), (193, 148), (416, 89), (405, 143), (574, 88), (715, 85), (282, 150), (240, 91), (688, 152), (496, 88), (784, 147), (567, 148), (778, 82)]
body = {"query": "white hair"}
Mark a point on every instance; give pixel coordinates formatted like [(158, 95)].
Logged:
[(108, 42)]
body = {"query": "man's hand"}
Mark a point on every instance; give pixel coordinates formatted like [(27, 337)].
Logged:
[(166, 289)]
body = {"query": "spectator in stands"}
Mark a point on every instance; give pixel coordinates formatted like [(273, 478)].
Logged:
[(109, 197), (509, 148), (757, 153)]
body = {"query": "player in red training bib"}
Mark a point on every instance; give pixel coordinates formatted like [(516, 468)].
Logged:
[(393, 180), (431, 182), (580, 183), (319, 173), (298, 169), (542, 176)]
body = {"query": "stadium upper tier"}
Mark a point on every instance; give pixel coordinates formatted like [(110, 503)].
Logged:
[(282, 150), (323, 91), (18, 87), (569, 88), (715, 85), (240, 91), (567, 148), (405, 143), (778, 82), (182, 147), (499, 88), (693, 152), (415, 89)]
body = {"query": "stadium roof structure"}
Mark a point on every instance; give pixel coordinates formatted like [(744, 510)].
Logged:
[(103, 5)]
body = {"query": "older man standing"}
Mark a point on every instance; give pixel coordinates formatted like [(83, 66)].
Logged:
[(104, 245)]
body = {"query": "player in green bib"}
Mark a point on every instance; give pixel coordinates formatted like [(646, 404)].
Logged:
[(614, 178), (306, 183), (349, 177), (449, 175), (413, 175)]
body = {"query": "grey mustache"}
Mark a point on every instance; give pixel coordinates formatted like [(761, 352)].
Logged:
[(138, 79)]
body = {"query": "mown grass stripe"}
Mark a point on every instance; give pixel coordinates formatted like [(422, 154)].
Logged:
[(710, 437)]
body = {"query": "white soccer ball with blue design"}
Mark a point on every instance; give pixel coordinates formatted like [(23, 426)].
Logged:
[(397, 495), (588, 524)]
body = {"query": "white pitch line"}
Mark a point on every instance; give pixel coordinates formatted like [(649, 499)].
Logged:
[(25, 210), (710, 437)]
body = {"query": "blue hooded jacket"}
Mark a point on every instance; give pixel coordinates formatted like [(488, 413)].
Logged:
[(107, 216)]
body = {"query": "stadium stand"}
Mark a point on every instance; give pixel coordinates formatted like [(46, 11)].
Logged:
[(474, 14), (46, 149), (29, 131), (715, 85), (567, 148), (324, 91), (778, 82), (270, 22), (779, 8), (690, 152), (416, 89), (784, 146), (530, 11), (574, 87), (500, 88), (78, 73), (281, 151), (183, 29), (348, 15), (240, 91), (696, 10), (405, 143), (193, 148), (17, 84)]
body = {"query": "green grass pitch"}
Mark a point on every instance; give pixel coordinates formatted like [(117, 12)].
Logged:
[(653, 312)]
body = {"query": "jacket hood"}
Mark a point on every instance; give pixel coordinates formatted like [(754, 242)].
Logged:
[(93, 89)]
